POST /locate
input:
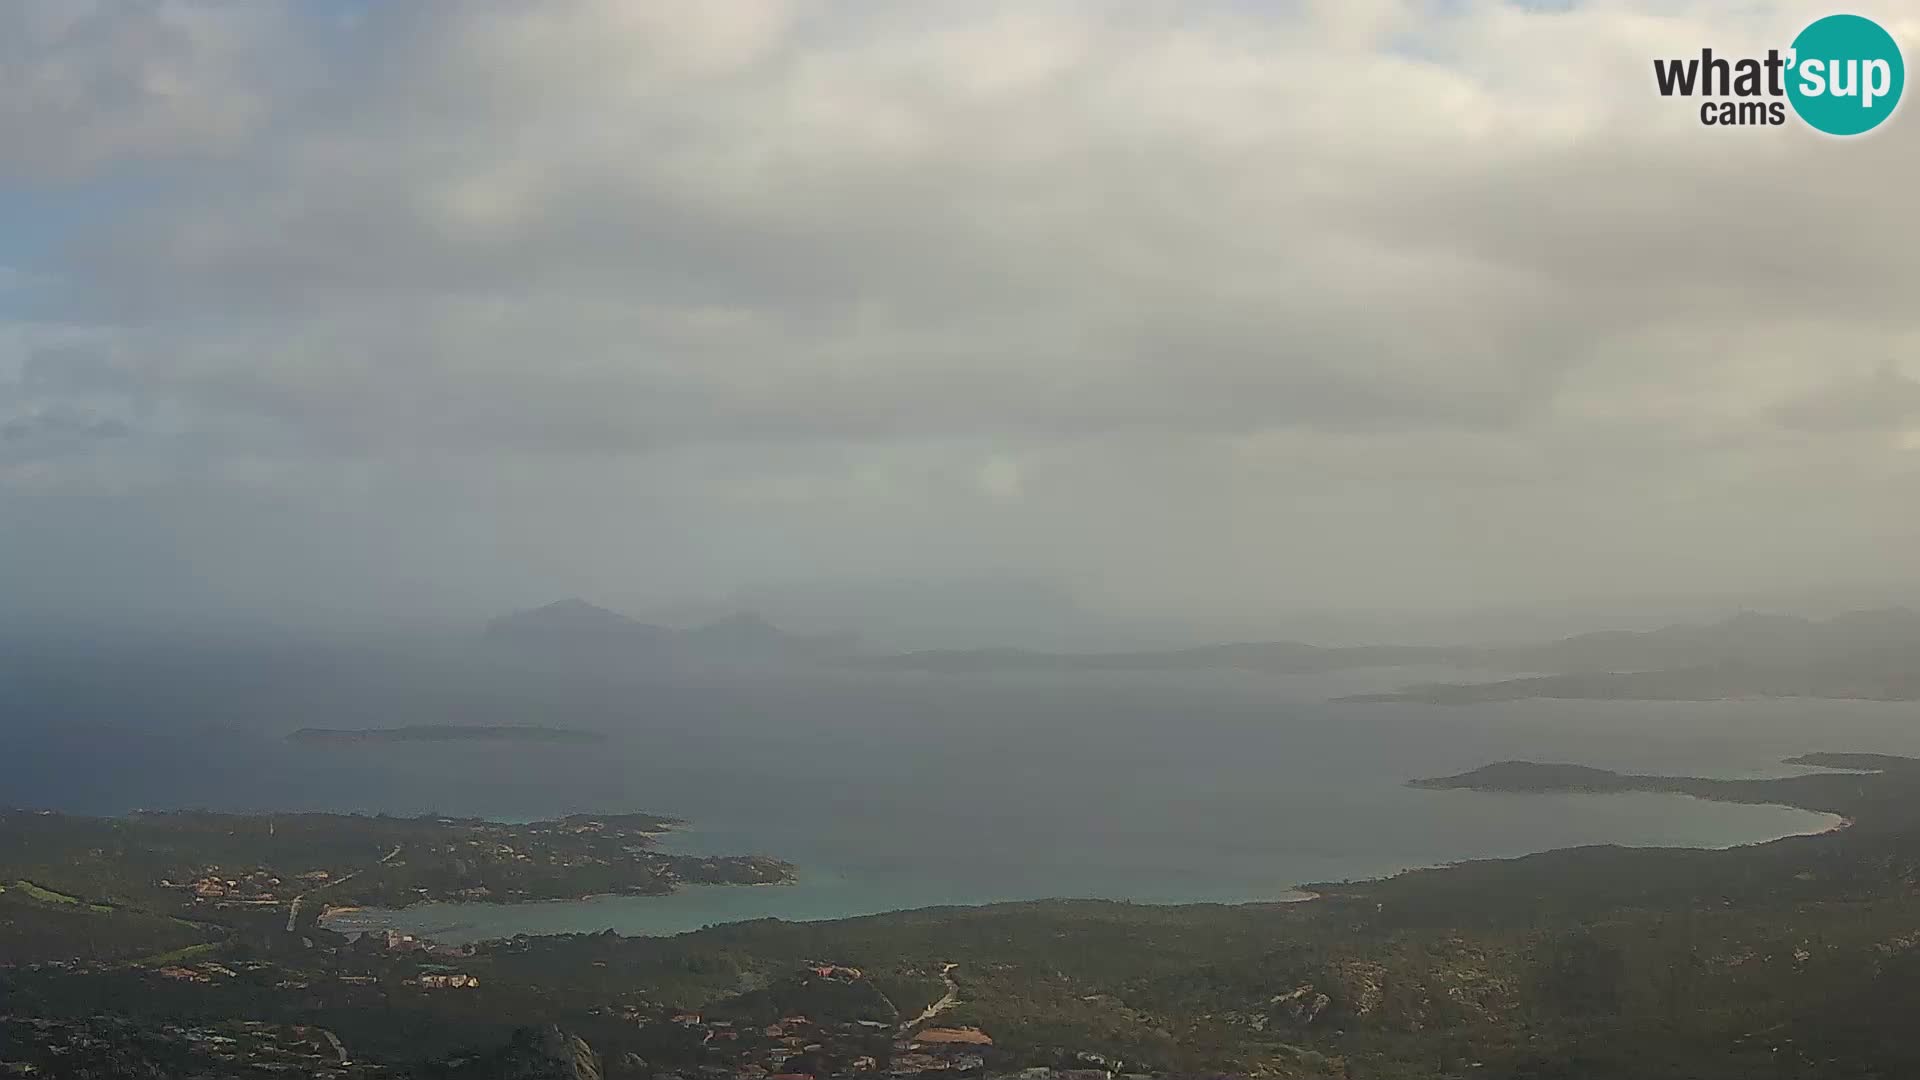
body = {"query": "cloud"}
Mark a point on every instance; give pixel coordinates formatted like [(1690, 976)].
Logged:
[(1883, 401), (85, 84), (1263, 253), (1000, 479), (51, 434)]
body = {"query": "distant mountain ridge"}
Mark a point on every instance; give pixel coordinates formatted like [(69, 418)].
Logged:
[(1746, 638), (1871, 654), (570, 618), (576, 626), (1861, 654), (1275, 656)]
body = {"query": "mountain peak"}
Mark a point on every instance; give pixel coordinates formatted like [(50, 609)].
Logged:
[(570, 616), (574, 622)]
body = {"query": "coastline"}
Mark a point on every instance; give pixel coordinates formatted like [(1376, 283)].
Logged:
[(1841, 823), (644, 915), (1835, 822), (823, 893), (676, 888)]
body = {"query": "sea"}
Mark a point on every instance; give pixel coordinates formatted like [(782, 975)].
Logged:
[(893, 790)]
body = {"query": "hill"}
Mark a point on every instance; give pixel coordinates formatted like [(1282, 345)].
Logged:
[(572, 618), (576, 628), (1274, 656), (1872, 655), (1862, 655)]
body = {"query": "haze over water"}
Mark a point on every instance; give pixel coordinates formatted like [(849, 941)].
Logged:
[(907, 791)]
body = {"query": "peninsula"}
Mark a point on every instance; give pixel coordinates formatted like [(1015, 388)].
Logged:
[(170, 879)]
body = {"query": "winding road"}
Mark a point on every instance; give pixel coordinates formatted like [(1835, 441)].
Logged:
[(947, 1000), (334, 1041)]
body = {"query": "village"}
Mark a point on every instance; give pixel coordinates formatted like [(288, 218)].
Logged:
[(680, 1044), (408, 861), (797, 1047), (256, 887), (106, 1045), (222, 945)]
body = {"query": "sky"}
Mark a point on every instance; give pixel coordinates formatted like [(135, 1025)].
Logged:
[(1198, 312)]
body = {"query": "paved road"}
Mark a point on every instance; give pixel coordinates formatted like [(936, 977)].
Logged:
[(947, 1000), (337, 1048)]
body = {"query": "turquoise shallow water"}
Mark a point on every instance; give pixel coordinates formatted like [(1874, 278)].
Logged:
[(1207, 790), (829, 893)]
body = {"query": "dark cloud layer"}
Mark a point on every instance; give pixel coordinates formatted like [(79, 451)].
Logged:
[(1203, 309)]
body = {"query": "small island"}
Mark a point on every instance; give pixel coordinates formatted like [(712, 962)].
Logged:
[(440, 733), (1875, 788)]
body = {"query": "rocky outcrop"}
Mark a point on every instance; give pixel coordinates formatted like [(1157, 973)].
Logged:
[(536, 1053)]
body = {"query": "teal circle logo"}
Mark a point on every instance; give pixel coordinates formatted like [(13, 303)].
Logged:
[(1845, 75)]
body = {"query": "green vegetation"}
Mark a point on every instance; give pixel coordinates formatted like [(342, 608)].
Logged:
[(47, 896), (178, 955), (1798, 958), (40, 931)]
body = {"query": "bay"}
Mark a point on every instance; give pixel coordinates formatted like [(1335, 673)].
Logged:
[(901, 791)]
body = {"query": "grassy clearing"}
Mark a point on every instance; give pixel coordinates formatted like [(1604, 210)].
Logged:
[(45, 896), (177, 955)]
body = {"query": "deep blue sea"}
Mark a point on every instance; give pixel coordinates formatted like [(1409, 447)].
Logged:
[(897, 791)]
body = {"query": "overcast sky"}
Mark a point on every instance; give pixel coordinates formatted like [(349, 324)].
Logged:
[(1200, 310)]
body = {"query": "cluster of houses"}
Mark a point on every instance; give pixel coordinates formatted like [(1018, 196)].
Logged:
[(199, 973), (790, 1048), (395, 941), (941, 1049), (258, 887), (796, 1048), (251, 888), (799, 1048)]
